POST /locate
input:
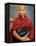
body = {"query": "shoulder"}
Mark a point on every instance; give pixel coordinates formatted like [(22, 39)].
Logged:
[(29, 21), (16, 19)]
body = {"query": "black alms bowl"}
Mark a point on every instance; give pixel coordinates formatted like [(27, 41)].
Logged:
[(22, 32)]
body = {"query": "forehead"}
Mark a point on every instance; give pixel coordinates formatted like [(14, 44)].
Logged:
[(20, 6)]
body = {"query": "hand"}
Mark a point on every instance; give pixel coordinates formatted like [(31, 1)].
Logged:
[(27, 34), (25, 39)]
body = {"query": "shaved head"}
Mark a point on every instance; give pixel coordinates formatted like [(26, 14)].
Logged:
[(20, 6), (21, 9)]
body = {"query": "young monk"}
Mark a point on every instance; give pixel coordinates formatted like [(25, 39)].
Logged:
[(22, 21)]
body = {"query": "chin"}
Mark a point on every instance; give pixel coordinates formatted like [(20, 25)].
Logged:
[(21, 15)]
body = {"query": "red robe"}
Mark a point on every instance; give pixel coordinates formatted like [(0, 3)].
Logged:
[(23, 22)]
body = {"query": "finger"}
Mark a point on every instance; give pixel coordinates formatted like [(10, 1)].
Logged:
[(27, 34)]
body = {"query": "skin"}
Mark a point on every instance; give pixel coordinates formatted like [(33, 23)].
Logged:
[(21, 12)]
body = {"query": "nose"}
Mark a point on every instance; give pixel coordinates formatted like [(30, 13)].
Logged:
[(21, 11)]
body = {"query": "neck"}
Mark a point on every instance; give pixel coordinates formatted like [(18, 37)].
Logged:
[(22, 16)]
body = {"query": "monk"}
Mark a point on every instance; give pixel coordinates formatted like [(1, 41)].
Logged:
[(22, 21)]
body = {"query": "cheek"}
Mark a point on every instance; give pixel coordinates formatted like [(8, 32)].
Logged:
[(21, 12), (25, 12), (18, 11)]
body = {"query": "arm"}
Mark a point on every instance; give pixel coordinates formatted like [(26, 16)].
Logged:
[(31, 36), (25, 38), (16, 35), (31, 31), (15, 26)]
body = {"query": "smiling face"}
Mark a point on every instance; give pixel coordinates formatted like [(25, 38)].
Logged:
[(21, 10)]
